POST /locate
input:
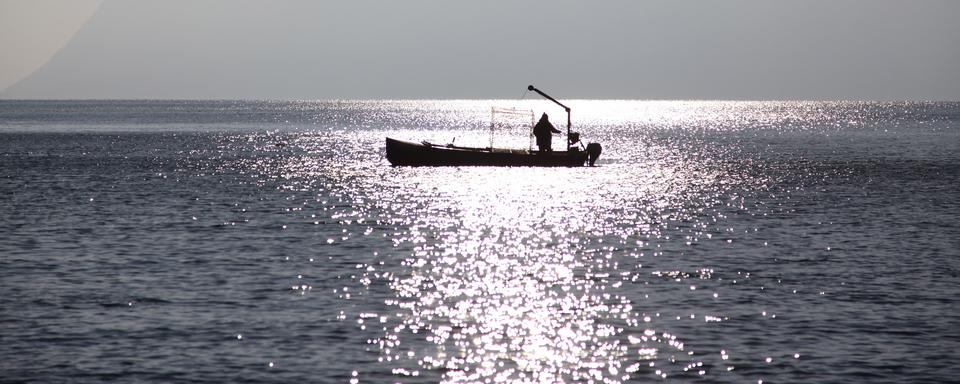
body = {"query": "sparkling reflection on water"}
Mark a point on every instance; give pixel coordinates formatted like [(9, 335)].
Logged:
[(628, 270), (511, 272), (518, 274), (716, 241)]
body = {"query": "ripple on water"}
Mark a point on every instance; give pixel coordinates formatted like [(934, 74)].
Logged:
[(723, 241)]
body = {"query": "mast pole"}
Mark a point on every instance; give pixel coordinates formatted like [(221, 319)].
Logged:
[(565, 108)]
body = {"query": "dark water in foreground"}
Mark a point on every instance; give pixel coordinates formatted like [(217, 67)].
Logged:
[(717, 242)]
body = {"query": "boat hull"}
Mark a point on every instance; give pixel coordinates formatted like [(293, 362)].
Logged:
[(405, 153)]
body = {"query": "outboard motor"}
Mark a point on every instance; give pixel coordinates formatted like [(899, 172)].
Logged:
[(593, 152)]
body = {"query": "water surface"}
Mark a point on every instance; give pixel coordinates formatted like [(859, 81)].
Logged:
[(271, 241)]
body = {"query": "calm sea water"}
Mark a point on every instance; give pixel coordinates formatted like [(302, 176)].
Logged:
[(250, 241)]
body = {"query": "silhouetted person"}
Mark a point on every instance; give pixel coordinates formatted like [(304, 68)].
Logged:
[(544, 133)]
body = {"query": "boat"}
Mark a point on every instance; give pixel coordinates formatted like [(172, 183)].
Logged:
[(407, 153)]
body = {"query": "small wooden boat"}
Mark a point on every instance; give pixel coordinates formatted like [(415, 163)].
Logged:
[(405, 153), (426, 154)]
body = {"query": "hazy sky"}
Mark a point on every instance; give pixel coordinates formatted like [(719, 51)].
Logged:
[(663, 49), (31, 32)]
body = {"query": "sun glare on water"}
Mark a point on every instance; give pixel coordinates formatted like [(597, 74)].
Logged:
[(544, 275), (510, 276)]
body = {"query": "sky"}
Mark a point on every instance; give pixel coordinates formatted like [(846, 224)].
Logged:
[(435, 49), (31, 32)]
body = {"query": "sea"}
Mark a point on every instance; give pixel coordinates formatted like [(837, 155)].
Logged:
[(272, 241)]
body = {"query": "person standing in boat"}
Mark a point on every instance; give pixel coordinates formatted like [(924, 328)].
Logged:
[(544, 131)]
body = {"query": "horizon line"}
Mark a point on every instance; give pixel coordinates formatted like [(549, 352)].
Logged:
[(473, 99)]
